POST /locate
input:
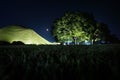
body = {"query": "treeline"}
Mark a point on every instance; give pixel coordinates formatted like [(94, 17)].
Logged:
[(81, 26), (78, 26)]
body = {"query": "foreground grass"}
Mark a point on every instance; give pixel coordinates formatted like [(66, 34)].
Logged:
[(47, 62)]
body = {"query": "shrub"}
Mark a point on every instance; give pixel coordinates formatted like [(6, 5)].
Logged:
[(18, 43)]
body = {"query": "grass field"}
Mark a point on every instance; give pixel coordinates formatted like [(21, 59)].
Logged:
[(58, 62)]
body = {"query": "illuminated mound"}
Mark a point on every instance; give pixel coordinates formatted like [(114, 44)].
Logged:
[(18, 33)]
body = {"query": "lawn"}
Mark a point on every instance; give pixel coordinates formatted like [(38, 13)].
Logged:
[(58, 62)]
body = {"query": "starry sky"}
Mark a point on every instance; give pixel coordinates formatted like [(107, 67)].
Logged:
[(39, 15)]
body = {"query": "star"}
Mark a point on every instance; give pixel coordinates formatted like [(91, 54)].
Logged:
[(47, 29)]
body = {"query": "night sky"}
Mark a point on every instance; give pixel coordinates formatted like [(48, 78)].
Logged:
[(39, 15)]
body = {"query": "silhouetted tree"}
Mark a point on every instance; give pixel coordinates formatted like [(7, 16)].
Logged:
[(18, 43), (104, 31), (4, 43), (114, 39)]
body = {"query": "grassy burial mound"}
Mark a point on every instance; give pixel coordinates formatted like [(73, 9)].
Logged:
[(17, 33)]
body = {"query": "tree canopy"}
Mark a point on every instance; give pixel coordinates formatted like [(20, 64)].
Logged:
[(79, 26)]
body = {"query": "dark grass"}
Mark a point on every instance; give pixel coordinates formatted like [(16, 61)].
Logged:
[(46, 62)]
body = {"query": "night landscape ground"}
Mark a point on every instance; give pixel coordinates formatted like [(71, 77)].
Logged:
[(59, 40), (59, 62)]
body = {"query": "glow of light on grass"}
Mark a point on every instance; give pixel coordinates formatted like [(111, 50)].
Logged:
[(87, 42)]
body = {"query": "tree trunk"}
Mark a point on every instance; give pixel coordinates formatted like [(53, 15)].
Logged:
[(93, 41), (75, 42)]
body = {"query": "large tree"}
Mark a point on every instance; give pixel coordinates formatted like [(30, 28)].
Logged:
[(74, 26), (69, 27)]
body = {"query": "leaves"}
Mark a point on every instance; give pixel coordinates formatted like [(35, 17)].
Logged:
[(74, 24), (82, 26)]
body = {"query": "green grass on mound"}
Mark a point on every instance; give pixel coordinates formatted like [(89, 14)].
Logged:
[(18, 33)]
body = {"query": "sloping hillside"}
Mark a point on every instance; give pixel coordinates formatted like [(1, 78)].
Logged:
[(18, 33)]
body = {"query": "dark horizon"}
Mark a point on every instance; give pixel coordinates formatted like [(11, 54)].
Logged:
[(39, 15)]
